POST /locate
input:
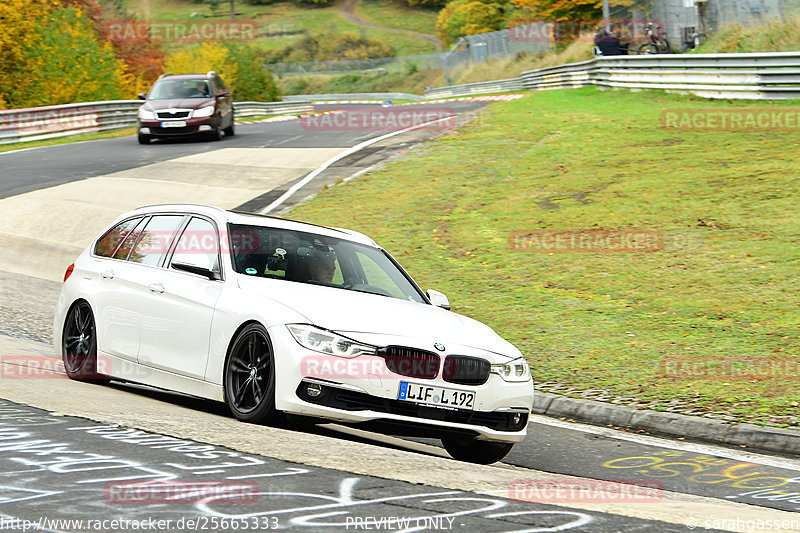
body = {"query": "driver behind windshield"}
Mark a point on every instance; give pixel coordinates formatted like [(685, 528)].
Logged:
[(322, 267)]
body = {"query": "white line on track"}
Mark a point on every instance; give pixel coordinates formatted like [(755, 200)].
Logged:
[(314, 173), (55, 145), (747, 457), (290, 139)]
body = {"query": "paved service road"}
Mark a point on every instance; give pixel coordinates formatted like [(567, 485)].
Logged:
[(69, 474)]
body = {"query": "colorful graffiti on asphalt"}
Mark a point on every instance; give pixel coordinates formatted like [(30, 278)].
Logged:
[(753, 481)]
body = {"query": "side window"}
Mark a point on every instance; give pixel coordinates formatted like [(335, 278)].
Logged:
[(377, 277), (156, 239), (218, 83), (198, 245), (125, 248), (108, 243)]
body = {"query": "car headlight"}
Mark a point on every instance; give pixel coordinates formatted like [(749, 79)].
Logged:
[(206, 111), (516, 370), (146, 114), (324, 341)]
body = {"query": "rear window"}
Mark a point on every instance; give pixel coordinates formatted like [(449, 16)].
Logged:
[(108, 243)]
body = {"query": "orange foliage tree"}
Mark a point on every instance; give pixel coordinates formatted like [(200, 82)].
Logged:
[(575, 10), (469, 17), (63, 62)]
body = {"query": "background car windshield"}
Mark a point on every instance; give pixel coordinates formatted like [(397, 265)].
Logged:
[(174, 89), (319, 260)]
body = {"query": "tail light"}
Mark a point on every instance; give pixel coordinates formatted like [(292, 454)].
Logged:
[(68, 273)]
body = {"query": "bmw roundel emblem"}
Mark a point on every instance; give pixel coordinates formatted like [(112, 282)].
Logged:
[(439, 346)]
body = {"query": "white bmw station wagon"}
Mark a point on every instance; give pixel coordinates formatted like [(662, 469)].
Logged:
[(277, 317)]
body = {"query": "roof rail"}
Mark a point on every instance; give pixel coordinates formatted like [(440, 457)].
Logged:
[(165, 75), (180, 204), (212, 73)]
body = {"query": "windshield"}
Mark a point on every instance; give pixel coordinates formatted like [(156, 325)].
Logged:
[(318, 260), (175, 89)]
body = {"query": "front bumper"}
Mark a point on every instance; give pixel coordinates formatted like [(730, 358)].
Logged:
[(194, 126), (370, 395)]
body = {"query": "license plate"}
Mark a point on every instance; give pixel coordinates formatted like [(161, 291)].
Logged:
[(436, 396), (174, 124)]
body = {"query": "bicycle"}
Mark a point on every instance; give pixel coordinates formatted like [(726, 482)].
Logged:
[(656, 43)]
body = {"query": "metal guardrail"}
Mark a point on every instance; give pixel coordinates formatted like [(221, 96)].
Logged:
[(754, 76), (36, 123), (350, 96), (483, 87), (255, 109)]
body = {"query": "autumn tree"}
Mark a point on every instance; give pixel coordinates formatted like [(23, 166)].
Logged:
[(241, 66), (460, 18), (18, 21), (62, 61), (560, 10)]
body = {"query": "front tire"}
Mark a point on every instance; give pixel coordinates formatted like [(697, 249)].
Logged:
[(230, 130), (250, 377), (79, 344), (216, 133), (476, 451), (144, 139)]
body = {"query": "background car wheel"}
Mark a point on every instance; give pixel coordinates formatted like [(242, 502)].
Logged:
[(250, 377), (79, 345), (144, 139), (476, 451)]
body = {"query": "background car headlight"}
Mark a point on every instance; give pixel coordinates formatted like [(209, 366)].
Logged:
[(146, 114), (206, 111), (516, 370), (323, 341)]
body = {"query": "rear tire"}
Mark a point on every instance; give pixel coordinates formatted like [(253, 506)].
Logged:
[(476, 451), (79, 345), (250, 377)]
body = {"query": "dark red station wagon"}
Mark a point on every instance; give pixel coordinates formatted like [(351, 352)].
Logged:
[(185, 105)]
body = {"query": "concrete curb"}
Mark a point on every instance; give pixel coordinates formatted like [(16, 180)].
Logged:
[(756, 438)]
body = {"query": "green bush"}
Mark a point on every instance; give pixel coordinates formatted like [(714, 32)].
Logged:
[(253, 81)]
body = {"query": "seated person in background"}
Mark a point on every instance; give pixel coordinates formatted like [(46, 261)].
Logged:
[(608, 43)]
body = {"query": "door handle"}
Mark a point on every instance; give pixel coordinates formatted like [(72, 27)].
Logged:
[(107, 274), (157, 287)]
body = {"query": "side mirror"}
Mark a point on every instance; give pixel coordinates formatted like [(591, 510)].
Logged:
[(223, 93), (195, 269), (438, 299), (142, 96)]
